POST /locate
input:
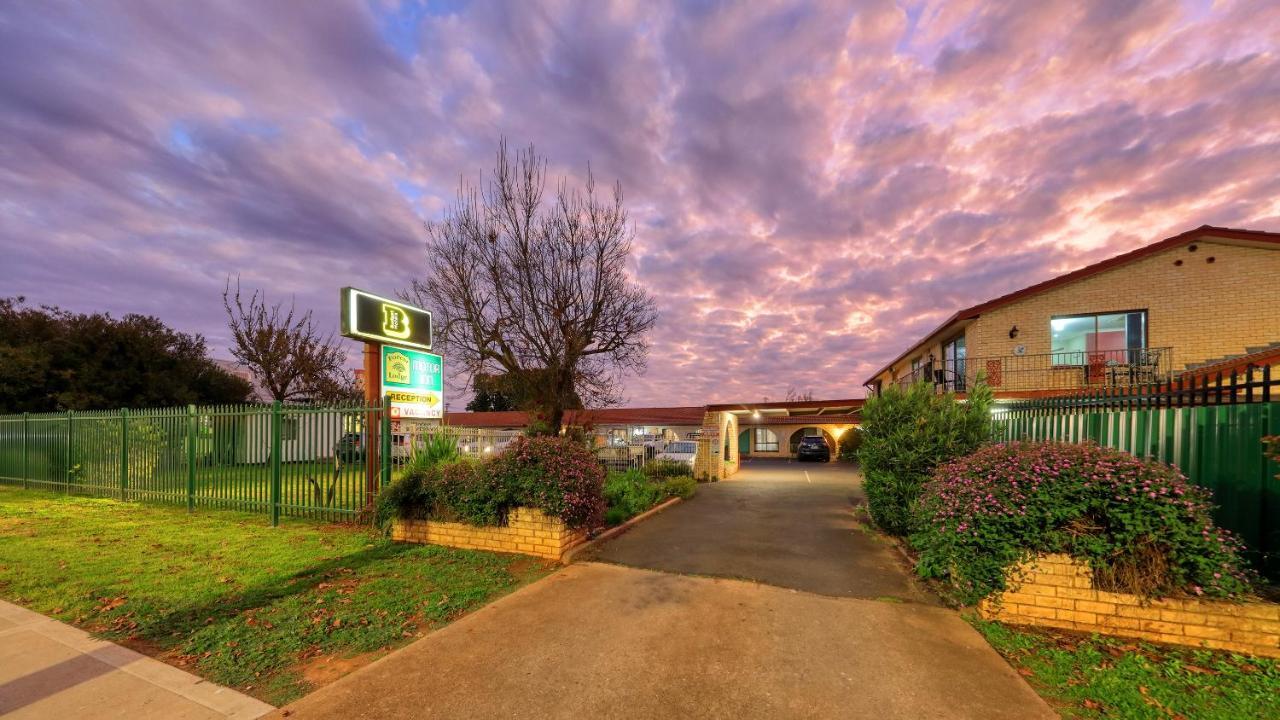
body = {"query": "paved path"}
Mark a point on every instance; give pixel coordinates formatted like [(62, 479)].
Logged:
[(779, 523), (603, 640), (52, 670)]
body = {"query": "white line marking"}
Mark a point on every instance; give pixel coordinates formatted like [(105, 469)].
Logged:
[(807, 478)]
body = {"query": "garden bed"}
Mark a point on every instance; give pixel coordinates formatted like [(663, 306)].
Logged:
[(528, 531), (1057, 591), (273, 612)]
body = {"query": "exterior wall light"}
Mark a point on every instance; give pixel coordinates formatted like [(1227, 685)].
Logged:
[(1013, 332)]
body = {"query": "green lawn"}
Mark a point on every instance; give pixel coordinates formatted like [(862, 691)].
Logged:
[(271, 611), (1099, 677)]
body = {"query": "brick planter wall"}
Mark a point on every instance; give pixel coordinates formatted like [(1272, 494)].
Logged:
[(1057, 591), (528, 531)]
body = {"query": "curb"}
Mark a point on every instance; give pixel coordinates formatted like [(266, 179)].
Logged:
[(569, 555)]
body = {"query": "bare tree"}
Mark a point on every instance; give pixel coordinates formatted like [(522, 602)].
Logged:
[(537, 292), (794, 395), (288, 356)]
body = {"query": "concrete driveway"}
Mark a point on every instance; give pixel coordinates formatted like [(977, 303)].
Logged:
[(775, 522), (607, 640)]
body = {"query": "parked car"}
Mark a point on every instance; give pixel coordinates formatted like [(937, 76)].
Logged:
[(813, 448), (350, 448), (682, 451)]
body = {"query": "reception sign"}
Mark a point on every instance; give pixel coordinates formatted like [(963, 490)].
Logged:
[(414, 381), (373, 318)]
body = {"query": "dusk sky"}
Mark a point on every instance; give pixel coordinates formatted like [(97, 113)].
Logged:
[(813, 185)]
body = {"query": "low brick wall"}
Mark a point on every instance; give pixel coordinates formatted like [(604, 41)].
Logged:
[(528, 531), (1057, 591)]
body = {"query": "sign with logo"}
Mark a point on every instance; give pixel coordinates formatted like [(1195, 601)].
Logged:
[(414, 381), (373, 318)]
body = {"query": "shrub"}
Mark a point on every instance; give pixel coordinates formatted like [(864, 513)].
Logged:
[(465, 491), (1140, 525), (557, 475), (433, 450), (403, 498), (683, 486), (664, 468), (630, 493), (908, 433)]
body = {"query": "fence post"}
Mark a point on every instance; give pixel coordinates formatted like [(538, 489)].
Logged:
[(124, 454), (26, 441), (191, 458), (277, 447), (386, 441), (66, 476)]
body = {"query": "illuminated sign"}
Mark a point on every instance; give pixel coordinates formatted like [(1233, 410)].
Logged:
[(414, 381), (369, 317)]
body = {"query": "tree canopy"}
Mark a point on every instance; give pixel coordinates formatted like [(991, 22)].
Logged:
[(535, 291), (290, 357), (54, 359)]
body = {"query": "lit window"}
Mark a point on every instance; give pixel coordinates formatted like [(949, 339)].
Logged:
[(1090, 339), (766, 440)]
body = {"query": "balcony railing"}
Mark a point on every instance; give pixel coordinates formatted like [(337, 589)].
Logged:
[(1050, 371)]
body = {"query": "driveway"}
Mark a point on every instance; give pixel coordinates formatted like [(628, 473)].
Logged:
[(614, 639), (775, 522)]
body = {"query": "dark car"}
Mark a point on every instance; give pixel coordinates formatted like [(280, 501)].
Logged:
[(813, 448), (350, 448)]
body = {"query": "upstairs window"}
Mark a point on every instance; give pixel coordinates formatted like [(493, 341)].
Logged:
[(1105, 337)]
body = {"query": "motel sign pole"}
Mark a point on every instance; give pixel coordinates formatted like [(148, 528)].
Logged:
[(372, 421), (401, 379)]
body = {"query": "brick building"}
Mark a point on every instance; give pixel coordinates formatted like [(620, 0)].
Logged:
[(1194, 299)]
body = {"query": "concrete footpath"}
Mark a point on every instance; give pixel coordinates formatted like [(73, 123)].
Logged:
[(51, 670), (607, 641)]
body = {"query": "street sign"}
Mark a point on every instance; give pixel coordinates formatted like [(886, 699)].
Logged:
[(414, 381), (373, 318)]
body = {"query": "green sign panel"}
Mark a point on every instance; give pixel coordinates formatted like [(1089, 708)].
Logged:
[(373, 318), (414, 381)]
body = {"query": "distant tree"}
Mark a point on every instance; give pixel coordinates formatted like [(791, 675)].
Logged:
[(291, 359), (488, 395), (53, 359), (537, 291), (512, 391), (794, 395)]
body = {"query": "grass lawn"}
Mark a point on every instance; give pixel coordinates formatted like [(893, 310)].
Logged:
[(1099, 677), (273, 612)]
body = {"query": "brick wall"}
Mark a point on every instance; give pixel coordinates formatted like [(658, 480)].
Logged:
[(717, 456), (1057, 591), (528, 531)]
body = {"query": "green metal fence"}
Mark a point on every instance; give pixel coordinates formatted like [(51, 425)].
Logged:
[(275, 459), (1217, 446)]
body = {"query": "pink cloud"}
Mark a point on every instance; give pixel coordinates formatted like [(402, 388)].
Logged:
[(813, 184)]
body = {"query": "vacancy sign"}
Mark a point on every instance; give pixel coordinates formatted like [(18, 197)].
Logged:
[(414, 381)]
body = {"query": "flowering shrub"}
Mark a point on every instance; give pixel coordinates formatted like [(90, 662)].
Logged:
[(558, 475), (1140, 525)]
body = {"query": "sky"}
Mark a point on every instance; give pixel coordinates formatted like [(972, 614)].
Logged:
[(814, 185)]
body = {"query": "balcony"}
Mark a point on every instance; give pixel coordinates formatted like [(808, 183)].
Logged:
[(1050, 371)]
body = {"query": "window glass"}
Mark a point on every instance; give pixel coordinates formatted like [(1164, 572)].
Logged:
[(766, 440), (1106, 337)]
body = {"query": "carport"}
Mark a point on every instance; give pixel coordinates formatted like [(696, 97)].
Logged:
[(774, 429)]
